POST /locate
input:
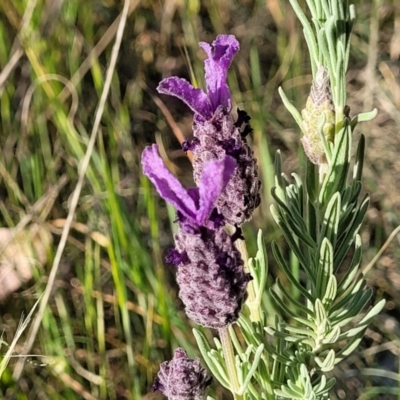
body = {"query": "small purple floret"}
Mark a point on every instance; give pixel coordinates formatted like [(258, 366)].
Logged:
[(182, 378), (190, 144), (174, 257)]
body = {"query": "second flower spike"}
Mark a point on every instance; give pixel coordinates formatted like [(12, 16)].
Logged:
[(210, 271)]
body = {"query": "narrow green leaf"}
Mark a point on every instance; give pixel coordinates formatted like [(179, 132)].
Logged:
[(279, 182), (337, 174), (303, 259), (320, 313), (300, 331), (363, 117), (235, 341), (306, 322), (291, 108), (325, 143), (254, 365), (328, 363), (325, 266), (311, 182), (300, 192), (332, 336), (258, 267), (353, 344), (295, 389), (331, 291), (282, 264), (359, 162), (365, 321), (324, 47), (348, 349), (354, 265), (325, 386), (331, 39), (247, 330), (217, 370), (352, 231), (290, 299), (294, 221), (280, 304), (308, 33), (350, 296), (330, 223), (360, 302), (287, 393), (340, 90)]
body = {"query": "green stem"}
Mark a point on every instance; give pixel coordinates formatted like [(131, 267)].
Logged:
[(251, 303), (229, 357)]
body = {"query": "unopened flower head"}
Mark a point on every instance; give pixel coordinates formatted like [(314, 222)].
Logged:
[(215, 132), (319, 105), (182, 378), (210, 270)]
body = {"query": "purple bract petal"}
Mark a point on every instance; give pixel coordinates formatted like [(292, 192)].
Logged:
[(220, 56), (194, 204), (167, 185), (196, 99), (213, 180)]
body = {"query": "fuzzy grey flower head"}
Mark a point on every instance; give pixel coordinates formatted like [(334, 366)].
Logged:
[(214, 140), (215, 132), (182, 378), (211, 277)]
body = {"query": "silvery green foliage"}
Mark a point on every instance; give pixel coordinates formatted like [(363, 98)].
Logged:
[(321, 229), (320, 221), (322, 312)]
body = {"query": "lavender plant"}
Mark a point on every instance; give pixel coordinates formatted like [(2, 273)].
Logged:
[(322, 313)]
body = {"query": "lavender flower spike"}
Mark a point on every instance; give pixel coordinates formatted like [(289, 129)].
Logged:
[(215, 132), (210, 271), (195, 204), (182, 378), (220, 56)]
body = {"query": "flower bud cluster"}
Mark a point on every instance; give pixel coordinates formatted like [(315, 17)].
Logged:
[(182, 378), (319, 105)]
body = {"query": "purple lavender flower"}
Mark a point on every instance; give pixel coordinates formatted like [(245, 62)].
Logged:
[(215, 132), (182, 378), (210, 271)]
